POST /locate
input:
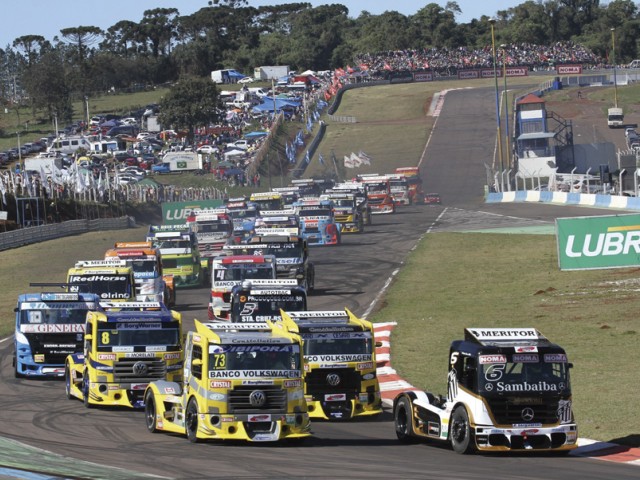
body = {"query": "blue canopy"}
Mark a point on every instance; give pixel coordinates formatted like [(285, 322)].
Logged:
[(280, 104), (255, 134)]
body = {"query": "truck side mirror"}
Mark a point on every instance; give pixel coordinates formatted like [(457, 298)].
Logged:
[(569, 365), (196, 362), (88, 337)]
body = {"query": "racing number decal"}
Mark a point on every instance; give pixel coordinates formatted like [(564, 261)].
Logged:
[(248, 308), (104, 339), (257, 252), (219, 361), (220, 274), (494, 372)]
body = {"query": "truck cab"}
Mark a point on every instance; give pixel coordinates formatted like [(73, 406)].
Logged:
[(110, 280), (180, 255), (340, 363), (317, 222), (615, 117), (399, 186), (508, 390), (240, 382), (126, 346), (378, 193), (212, 228), (261, 300)]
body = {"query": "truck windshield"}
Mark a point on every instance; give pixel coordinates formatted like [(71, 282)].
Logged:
[(53, 315), (106, 286), (377, 188), (283, 250), (262, 271), (269, 360), (214, 227), (532, 373), (259, 308), (113, 335), (333, 344), (145, 268), (315, 212)]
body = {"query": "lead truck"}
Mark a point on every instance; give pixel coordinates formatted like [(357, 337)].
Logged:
[(240, 382), (508, 390)]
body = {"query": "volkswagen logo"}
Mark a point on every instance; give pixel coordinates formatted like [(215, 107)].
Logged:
[(257, 398), (333, 379), (527, 414), (140, 368)]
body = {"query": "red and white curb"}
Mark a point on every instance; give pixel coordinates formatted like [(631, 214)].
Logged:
[(391, 384)]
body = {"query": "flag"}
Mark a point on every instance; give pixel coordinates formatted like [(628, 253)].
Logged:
[(364, 158), (306, 157), (355, 160), (348, 163), (321, 159)]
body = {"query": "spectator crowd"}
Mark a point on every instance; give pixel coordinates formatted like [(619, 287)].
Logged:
[(448, 61)]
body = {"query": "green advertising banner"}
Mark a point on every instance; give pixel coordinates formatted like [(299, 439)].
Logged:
[(174, 213), (611, 241)]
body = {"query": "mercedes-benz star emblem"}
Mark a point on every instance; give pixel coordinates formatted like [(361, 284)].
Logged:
[(527, 414), (257, 398), (140, 368), (333, 379)]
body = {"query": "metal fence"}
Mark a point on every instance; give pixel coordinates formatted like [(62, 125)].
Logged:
[(29, 235)]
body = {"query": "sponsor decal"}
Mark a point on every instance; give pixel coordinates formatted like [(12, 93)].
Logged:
[(517, 72), (137, 354), (564, 411), (259, 418), (107, 356), (504, 333), (335, 397), (39, 358), (216, 397), (525, 358), (156, 348), (114, 387), (219, 384), (255, 373), (338, 358), (169, 390), (139, 386), (171, 356), (122, 349), (369, 376), (364, 366), (53, 328), (422, 77), (525, 387), (433, 428), (292, 383), (555, 358), (525, 348), (488, 359), (257, 382)]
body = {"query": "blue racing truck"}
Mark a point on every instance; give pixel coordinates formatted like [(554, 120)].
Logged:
[(49, 327)]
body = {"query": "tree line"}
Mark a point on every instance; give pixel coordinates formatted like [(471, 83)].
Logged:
[(165, 45)]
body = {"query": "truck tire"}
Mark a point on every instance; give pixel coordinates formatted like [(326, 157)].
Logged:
[(150, 411), (403, 421), (67, 382), (191, 421), (85, 391), (460, 433)]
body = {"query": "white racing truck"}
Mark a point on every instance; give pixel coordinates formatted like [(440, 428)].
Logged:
[(508, 390)]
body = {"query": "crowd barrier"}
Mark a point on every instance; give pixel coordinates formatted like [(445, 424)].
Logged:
[(566, 198)]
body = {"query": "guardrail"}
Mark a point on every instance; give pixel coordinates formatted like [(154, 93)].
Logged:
[(42, 233)]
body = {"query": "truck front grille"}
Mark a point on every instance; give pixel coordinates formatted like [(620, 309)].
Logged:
[(240, 399), (139, 370), (319, 382), (506, 411)]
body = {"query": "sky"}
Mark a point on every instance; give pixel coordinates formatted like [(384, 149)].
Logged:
[(47, 18)]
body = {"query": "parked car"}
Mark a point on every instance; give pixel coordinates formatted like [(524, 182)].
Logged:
[(207, 149), (246, 80), (241, 144), (160, 168)]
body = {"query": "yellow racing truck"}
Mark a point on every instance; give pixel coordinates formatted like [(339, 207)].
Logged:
[(340, 363), (126, 346), (240, 382)]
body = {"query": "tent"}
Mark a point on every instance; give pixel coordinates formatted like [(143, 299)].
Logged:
[(251, 135)]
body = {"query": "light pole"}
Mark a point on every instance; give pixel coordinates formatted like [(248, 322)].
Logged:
[(506, 106), (613, 60), (495, 76)]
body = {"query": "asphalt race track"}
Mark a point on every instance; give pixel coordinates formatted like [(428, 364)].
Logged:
[(37, 413)]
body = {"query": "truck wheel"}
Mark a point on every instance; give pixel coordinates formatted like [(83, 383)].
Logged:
[(460, 433), (191, 421), (150, 411), (403, 420), (67, 382), (85, 390)]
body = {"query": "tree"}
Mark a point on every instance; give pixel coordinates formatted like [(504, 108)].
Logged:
[(191, 103), (158, 26), (31, 44)]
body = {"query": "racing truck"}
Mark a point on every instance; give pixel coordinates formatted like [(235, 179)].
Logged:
[(267, 200), (146, 262), (261, 300), (111, 280), (243, 216), (287, 221), (241, 382), (378, 193), (340, 363), (213, 228), (317, 223), (228, 270), (508, 390), (126, 346), (412, 174), (49, 326), (362, 202), (399, 186), (291, 252), (346, 211), (180, 254)]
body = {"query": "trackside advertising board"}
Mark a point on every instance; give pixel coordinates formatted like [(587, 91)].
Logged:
[(175, 213), (611, 241)]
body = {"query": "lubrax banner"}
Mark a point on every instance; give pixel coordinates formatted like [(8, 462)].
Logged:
[(611, 241)]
